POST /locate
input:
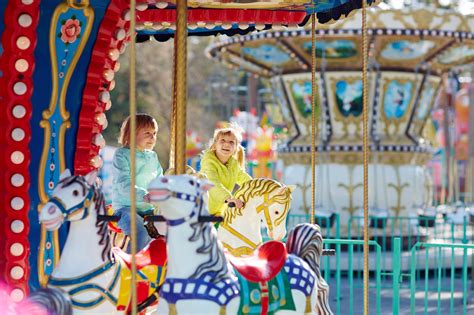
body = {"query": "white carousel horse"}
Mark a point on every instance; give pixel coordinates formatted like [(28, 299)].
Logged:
[(265, 200), (85, 270), (200, 279)]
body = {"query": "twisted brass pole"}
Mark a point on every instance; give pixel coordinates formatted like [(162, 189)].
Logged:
[(365, 128), (180, 86), (133, 208), (313, 116)]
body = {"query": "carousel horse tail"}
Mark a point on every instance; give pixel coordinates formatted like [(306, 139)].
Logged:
[(305, 241), (54, 301)]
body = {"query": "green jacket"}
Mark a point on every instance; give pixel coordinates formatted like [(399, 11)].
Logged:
[(224, 178)]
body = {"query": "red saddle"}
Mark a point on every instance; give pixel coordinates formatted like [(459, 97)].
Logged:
[(265, 263), (153, 254)]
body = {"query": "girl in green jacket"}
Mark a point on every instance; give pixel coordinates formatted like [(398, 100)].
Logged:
[(224, 165)]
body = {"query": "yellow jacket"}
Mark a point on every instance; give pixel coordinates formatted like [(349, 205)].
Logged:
[(224, 178)]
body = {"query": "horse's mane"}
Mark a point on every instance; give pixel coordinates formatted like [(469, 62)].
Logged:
[(215, 269), (258, 187), (99, 199)]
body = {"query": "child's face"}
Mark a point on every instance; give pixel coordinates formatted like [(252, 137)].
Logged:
[(226, 146), (146, 138)]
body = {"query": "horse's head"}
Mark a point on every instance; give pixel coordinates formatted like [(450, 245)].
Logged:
[(271, 201), (179, 197), (71, 200)]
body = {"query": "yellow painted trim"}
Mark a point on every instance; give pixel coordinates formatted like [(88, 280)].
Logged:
[(48, 113)]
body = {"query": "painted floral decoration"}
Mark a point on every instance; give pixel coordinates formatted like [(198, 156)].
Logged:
[(70, 30)]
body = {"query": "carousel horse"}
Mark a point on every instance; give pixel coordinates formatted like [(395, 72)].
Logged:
[(200, 279), (86, 271), (265, 200)]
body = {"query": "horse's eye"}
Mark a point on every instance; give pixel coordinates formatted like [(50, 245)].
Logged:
[(276, 212), (191, 182), (75, 193)]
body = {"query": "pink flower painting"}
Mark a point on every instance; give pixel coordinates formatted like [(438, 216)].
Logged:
[(70, 30)]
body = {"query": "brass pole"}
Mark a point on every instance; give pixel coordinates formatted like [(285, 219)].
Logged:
[(313, 116), (133, 208), (180, 87), (365, 128)]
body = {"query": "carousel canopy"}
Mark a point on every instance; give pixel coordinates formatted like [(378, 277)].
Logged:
[(405, 40), (211, 17)]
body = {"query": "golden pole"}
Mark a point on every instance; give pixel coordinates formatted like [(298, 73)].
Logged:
[(133, 208), (180, 87), (313, 116), (365, 150)]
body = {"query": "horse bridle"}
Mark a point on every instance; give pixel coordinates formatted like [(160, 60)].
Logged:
[(83, 205), (197, 209)]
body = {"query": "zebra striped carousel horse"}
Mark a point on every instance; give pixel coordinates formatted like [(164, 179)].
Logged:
[(200, 278), (86, 271), (265, 200)]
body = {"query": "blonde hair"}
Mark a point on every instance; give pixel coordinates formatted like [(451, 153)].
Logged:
[(239, 153), (143, 121)]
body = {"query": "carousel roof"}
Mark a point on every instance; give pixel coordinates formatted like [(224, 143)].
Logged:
[(211, 17), (399, 40)]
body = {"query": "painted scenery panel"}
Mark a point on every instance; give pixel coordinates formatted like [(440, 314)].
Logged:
[(349, 97), (398, 96)]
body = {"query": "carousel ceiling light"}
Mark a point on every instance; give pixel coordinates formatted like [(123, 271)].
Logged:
[(104, 96), (100, 118), (161, 5), (17, 203), (173, 27), (243, 26), (117, 66), (19, 88), (96, 161), (17, 295), (120, 34), (109, 75), (19, 111), (126, 15), (27, 2), (112, 85), (17, 273), (23, 42), (17, 249), (17, 226), (17, 180), (114, 54), (157, 26), (25, 20), (210, 26), (99, 140), (227, 26), (18, 134), (108, 105), (142, 6), (17, 157), (21, 65), (192, 26), (140, 27)]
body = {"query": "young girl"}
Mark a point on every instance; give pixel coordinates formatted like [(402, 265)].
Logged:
[(147, 168), (224, 165)]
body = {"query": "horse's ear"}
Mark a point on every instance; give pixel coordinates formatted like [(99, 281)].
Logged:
[(91, 177), (64, 174), (291, 187)]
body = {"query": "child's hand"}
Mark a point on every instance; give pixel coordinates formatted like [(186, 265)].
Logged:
[(237, 203), (147, 198)]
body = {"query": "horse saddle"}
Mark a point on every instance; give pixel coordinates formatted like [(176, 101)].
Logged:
[(264, 264), (151, 271), (153, 254)]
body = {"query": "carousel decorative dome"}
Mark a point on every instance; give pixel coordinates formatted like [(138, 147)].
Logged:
[(409, 50)]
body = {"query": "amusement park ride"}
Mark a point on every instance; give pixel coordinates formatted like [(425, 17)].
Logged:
[(57, 64)]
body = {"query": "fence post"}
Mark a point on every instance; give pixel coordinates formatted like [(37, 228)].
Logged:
[(396, 266)]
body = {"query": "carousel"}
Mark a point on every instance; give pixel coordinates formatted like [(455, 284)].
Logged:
[(57, 65), (410, 52)]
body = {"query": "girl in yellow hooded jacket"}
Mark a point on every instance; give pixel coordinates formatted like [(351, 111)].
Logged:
[(224, 165)]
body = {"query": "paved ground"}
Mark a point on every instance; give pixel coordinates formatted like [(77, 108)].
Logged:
[(444, 306)]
